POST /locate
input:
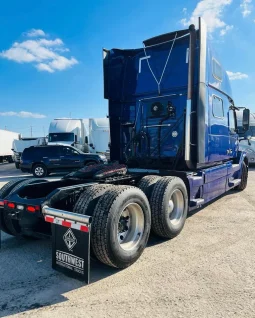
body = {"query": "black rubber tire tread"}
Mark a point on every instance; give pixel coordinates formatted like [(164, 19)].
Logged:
[(13, 225), (244, 178), (147, 183), (88, 199), (17, 164), (26, 182), (158, 196), (5, 190), (99, 235), (41, 165)]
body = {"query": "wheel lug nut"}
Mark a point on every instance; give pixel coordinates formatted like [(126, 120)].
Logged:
[(121, 237)]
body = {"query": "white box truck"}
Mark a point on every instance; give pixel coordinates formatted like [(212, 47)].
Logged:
[(6, 139), (91, 135)]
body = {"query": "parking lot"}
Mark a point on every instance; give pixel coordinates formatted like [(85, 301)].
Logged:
[(207, 271)]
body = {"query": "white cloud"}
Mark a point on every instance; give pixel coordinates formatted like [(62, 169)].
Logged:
[(236, 76), (34, 33), (211, 11), (44, 67), (226, 29), (23, 114), (246, 7), (184, 10), (44, 54)]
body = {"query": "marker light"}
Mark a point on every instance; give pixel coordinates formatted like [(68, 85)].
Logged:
[(32, 209)]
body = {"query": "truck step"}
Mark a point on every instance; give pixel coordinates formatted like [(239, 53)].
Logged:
[(197, 202), (234, 182)]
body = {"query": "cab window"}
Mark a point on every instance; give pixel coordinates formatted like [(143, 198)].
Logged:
[(217, 70), (217, 107), (66, 151)]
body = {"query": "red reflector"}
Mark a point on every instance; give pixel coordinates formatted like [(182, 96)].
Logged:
[(11, 205), (49, 219), (84, 228), (66, 223), (31, 209), (5, 202), (1, 203)]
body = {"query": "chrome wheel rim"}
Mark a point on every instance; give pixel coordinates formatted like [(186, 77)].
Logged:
[(39, 171), (176, 207), (130, 226)]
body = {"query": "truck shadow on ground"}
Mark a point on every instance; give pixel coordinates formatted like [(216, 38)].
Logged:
[(27, 280)]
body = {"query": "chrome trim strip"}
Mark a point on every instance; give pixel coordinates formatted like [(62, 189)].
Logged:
[(66, 215), (201, 109), (187, 130)]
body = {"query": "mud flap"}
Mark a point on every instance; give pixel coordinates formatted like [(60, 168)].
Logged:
[(70, 242)]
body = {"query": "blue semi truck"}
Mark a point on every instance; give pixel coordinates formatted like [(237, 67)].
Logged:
[(174, 148)]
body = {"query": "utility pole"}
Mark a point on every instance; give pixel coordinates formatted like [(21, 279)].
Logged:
[(31, 131), (43, 132)]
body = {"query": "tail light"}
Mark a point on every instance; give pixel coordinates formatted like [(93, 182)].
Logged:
[(11, 205), (1, 203), (32, 209)]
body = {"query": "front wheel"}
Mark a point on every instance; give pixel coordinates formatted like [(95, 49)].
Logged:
[(120, 226), (39, 171), (244, 178)]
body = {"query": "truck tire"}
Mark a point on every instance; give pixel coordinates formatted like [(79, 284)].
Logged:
[(146, 184), (244, 178), (17, 165), (4, 191), (120, 226), (88, 199), (39, 170), (13, 226), (169, 207)]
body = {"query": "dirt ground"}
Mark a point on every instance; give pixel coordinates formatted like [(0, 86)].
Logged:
[(207, 271)]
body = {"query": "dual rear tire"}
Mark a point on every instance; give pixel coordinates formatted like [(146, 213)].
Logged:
[(121, 223), (122, 216)]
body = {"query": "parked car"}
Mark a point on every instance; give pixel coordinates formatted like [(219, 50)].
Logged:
[(42, 160)]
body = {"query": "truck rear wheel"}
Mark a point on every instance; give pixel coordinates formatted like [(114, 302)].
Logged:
[(146, 184), (12, 225), (4, 191), (169, 207), (120, 226), (89, 198), (244, 178)]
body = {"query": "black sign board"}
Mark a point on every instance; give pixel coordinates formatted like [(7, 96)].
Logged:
[(71, 252)]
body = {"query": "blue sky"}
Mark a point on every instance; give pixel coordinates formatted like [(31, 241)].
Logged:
[(51, 51)]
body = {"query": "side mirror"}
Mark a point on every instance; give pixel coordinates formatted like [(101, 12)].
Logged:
[(246, 119)]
